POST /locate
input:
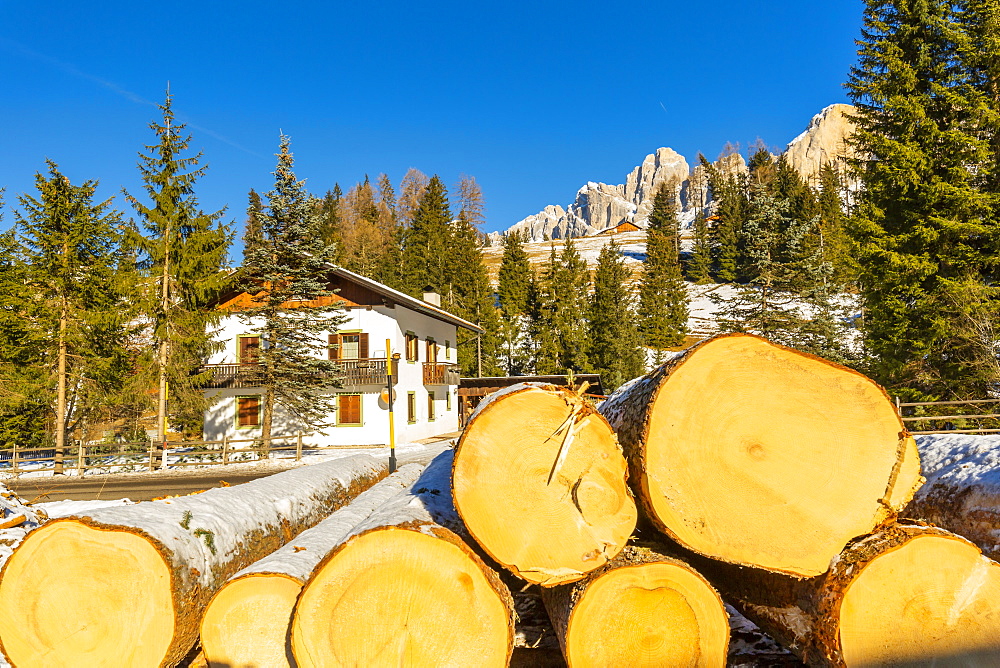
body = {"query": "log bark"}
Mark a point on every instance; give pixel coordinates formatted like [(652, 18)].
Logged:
[(908, 594), (540, 481), (127, 586), (247, 621), (640, 609), (962, 493), (757, 454), (405, 589)]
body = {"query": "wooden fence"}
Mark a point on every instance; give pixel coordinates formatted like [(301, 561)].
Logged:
[(924, 414), (148, 456)]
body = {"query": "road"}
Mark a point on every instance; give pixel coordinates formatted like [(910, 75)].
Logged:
[(138, 487)]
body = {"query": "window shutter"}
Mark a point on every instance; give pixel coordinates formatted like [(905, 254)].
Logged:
[(349, 406), (249, 345), (363, 346), (248, 411), (333, 346)]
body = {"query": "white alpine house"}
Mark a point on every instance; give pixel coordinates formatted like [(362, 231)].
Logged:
[(422, 337)]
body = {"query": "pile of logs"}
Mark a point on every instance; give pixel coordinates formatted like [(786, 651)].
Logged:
[(756, 475)]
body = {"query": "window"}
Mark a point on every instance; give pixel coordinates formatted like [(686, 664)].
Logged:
[(411, 407), (447, 352), (447, 401), (349, 409), (432, 351), (248, 411), (411, 347), (348, 346), (247, 349), (430, 407)]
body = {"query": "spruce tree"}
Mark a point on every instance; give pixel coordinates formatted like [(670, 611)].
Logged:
[(72, 250), (729, 196), (514, 295), (329, 212), (24, 386), (925, 223), (699, 268), (561, 322), (286, 272), (835, 241), (253, 225), (663, 300), (181, 254), (615, 349), (425, 243)]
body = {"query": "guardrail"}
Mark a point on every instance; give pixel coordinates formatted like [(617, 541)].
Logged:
[(442, 374), (149, 456), (953, 421), (351, 373)]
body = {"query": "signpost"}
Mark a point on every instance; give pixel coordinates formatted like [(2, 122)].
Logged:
[(388, 400)]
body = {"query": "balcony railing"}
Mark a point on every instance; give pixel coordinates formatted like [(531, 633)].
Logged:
[(442, 374), (352, 373)]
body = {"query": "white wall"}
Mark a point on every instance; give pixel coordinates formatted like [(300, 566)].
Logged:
[(380, 323)]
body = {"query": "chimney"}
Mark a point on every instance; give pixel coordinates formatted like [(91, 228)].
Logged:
[(433, 298)]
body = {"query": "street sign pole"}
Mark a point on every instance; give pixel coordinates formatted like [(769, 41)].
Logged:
[(388, 400)]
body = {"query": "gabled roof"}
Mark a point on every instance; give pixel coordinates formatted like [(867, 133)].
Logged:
[(404, 299), (385, 293)]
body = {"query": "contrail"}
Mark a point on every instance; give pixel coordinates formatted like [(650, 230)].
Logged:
[(72, 70), (664, 108)]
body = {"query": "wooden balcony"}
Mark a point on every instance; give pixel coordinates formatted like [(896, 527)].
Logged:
[(442, 374), (352, 373)]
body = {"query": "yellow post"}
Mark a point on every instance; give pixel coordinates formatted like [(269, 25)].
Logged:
[(388, 400)]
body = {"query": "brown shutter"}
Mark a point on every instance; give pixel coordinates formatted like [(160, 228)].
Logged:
[(333, 346), (349, 406), (249, 345), (363, 346), (248, 411)]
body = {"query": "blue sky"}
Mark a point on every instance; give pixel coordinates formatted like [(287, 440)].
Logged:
[(532, 98)]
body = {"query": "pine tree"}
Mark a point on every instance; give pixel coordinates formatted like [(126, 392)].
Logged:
[(925, 225), (729, 196), (182, 255), (835, 242), (425, 243), (329, 212), (283, 275), (24, 386), (699, 268), (252, 228), (514, 295), (662, 292), (561, 316), (72, 249), (470, 296), (614, 349)]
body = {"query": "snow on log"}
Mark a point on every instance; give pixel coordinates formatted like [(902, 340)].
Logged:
[(246, 622), (540, 482), (404, 589), (909, 593), (962, 493), (640, 609), (757, 454), (126, 586)]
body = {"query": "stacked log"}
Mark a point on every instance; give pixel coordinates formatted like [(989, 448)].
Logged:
[(640, 609), (908, 593), (962, 493), (126, 586), (247, 621), (404, 589), (539, 481), (756, 454)]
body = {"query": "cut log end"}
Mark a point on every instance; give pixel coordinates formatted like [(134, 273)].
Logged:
[(398, 596), (933, 597), (798, 456), (657, 614), (86, 596), (540, 482), (247, 621)]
